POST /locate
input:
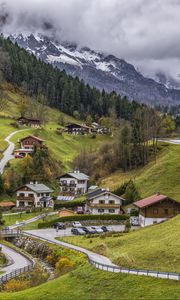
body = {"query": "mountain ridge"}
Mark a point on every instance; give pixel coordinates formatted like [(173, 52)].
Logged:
[(99, 70)]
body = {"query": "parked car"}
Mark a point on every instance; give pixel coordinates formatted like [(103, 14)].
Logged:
[(104, 228), (91, 230), (97, 229), (78, 231), (59, 225), (86, 230), (76, 224), (110, 228)]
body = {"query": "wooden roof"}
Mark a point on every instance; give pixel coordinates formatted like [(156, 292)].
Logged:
[(32, 136), (7, 204)]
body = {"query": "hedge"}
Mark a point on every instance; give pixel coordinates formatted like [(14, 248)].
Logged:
[(67, 204), (83, 218)]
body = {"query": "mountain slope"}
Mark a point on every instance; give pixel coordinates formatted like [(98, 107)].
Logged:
[(102, 71)]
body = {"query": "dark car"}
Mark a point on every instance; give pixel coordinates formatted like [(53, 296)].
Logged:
[(104, 228), (59, 225), (86, 230), (78, 231), (91, 230)]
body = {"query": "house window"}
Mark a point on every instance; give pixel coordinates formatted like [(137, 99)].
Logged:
[(100, 210), (30, 195), (81, 181), (111, 211), (47, 194), (21, 194), (155, 211), (111, 201), (29, 203), (38, 195), (101, 201), (166, 211)]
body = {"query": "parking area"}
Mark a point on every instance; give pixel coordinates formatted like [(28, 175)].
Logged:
[(52, 232)]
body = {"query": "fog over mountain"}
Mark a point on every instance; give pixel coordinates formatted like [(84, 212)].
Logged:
[(145, 33)]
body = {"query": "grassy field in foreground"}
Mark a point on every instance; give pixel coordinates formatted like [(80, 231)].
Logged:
[(155, 247), (160, 176), (87, 283)]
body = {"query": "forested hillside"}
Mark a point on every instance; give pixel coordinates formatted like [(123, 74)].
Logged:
[(60, 90)]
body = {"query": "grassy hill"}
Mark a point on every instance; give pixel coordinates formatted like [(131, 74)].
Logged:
[(63, 147), (85, 282), (160, 176), (155, 247)]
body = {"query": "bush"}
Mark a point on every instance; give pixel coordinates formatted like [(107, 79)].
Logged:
[(67, 204), (15, 285), (84, 218), (64, 265)]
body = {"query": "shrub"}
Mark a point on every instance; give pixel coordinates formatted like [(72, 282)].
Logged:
[(64, 265), (15, 285)]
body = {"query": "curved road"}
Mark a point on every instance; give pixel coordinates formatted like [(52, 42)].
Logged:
[(7, 155), (100, 261), (51, 234), (174, 142), (17, 260)]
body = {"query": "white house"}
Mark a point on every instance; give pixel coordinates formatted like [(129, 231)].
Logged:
[(73, 183), (34, 195), (102, 201)]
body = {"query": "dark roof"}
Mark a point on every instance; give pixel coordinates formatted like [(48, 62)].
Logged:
[(99, 192), (77, 125), (46, 199), (95, 193), (150, 200), (28, 119)]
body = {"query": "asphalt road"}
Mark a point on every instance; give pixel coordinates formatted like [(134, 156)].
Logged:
[(17, 260), (175, 142), (7, 155), (51, 234), (32, 219)]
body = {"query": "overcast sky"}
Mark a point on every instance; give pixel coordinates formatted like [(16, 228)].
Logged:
[(144, 32)]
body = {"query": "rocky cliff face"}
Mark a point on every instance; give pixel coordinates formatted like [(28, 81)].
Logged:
[(97, 69)]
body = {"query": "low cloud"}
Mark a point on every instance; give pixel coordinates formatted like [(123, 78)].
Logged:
[(140, 31)]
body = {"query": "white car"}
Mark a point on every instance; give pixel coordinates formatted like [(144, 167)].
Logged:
[(76, 224), (97, 229), (110, 228)]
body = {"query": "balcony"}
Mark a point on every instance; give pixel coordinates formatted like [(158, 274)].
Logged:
[(23, 198), (67, 184), (104, 205)]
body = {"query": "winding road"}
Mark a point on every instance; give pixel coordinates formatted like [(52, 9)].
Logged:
[(7, 155), (174, 142), (17, 260), (99, 261)]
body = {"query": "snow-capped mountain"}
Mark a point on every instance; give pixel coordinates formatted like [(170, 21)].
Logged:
[(97, 69), (167, 80)]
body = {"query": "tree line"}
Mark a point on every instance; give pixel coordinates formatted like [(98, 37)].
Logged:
[(70, 95)]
